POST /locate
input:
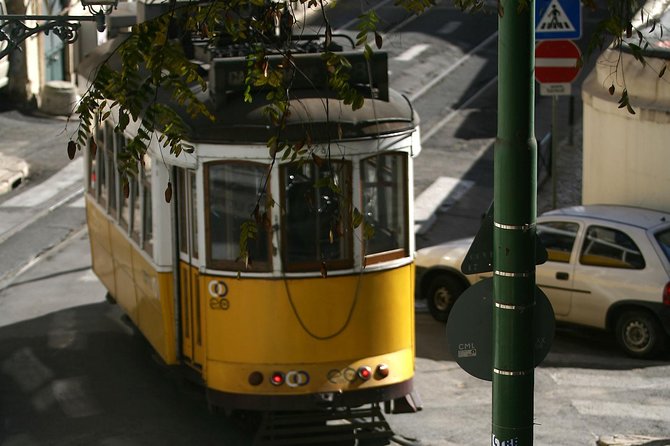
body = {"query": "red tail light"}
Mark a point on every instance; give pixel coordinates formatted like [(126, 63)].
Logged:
[(277, 378), (364, 373), (666, 294)]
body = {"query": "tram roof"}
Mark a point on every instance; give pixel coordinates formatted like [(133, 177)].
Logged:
[(314, 111)]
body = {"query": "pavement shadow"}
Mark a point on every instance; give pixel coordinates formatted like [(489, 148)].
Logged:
[(573, 347), (81, 376)]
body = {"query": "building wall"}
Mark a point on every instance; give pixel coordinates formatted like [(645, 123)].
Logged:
[(626, 156)]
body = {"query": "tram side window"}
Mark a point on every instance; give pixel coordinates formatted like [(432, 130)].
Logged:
[(101, 164), (147, 220), (110, 167), (92, 181), (188, 229), (125, 201), (316, 228), (384, 185), (135, 208), (233, 190)]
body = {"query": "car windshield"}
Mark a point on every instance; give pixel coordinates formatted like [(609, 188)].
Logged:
[(663, 238)]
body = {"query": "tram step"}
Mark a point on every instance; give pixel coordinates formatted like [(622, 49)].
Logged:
[(362, 426)]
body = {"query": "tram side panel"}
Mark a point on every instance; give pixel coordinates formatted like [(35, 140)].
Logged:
[(143, 293), (123, 274), (101, 247), (155, 306)]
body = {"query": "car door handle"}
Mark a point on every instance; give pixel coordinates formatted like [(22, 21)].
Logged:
[(562, 276)]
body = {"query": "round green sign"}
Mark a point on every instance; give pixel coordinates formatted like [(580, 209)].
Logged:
[(469, 329)]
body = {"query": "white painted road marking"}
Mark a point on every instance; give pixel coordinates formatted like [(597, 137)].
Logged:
[(29, 206), (444, 190), (449, 28), (412, 52), (654, 412), (72, 173)]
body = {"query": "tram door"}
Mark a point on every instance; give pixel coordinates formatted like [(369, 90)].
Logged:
[(189, 284)]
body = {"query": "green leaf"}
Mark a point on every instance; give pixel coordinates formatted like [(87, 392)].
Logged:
[(356, 218)]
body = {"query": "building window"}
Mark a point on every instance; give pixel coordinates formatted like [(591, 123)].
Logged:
[(234, 189), (316, 205), (384, 188)]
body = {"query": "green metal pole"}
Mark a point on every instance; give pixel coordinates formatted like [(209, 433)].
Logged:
[(514, 213)]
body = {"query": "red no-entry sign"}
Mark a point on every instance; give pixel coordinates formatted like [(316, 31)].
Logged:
[(556, 64)]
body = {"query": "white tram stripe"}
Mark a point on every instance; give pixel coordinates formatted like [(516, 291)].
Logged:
[(71, 174), (412, 52)]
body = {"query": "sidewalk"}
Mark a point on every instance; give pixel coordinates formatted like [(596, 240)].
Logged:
[(32, 148), (13, 170)]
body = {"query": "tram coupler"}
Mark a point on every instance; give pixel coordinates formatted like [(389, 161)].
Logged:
[(410, 403)]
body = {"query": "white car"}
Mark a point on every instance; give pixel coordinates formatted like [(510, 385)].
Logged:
[(608, 267)]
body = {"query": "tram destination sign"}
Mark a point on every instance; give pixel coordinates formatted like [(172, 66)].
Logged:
[(308, 71)]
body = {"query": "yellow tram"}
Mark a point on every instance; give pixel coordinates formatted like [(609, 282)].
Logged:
[(323, 315)]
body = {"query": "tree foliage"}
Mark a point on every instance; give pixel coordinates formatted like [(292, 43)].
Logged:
[(154, 62), (153, 59)]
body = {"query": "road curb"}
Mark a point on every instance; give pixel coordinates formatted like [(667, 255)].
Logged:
[(632, 440), (12, 172)]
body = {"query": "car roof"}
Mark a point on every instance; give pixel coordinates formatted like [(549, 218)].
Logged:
[(630, 215)]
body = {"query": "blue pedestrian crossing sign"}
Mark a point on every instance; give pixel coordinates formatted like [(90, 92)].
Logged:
[(558, 19)]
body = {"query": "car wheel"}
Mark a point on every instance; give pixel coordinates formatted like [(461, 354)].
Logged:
[(442, 294), (639, 334)]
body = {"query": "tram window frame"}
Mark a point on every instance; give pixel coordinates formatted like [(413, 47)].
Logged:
[(256, 264), (112, 171), (343, 230), (102, 194), (186, 184), (135, 207), (399, 204), (125, 203), (147, 233), (92, 181)]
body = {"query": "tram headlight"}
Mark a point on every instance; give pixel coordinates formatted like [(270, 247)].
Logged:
[(255, 378), (277, 378), (364, 373), (382, 371)]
